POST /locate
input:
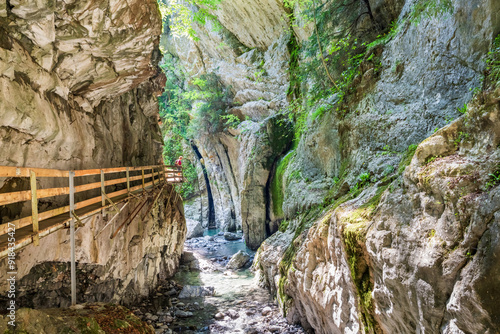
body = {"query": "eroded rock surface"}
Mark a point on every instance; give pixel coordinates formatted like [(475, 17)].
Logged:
[(79, 84)]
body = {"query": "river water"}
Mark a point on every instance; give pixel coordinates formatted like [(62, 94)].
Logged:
[(238, 305)]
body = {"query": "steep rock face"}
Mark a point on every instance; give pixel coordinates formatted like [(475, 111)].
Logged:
[(423, 260), (417, 261), (427, 72), (123, 269), (78, 82), (78, 89), (250, 56)]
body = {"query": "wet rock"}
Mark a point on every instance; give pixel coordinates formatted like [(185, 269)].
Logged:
[(192, 291), (238, 260), (231, 236), (219, 316), (187, 257), (266, 310), (233, 314), (194, 229), (183, 314), (274, 329)]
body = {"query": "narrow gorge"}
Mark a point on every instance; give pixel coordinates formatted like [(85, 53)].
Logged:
[(339, 166)]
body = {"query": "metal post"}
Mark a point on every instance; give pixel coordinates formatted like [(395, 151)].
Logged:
[(128, 182), (34, 209), (103, 190), (72, 235)]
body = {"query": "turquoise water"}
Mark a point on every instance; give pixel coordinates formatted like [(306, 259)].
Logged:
[(231, 287)]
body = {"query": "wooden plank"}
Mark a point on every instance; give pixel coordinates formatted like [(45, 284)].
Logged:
[(6, 171), (14, 197), (34, 208)]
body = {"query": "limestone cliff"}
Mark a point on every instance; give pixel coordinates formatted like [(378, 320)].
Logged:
[(367, 244), (79, 82)]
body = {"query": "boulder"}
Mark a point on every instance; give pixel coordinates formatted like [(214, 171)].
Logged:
[(194, 229), (239, 260), (231, 236), (193, 291)]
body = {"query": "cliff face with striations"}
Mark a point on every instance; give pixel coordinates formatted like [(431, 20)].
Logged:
[(389, 206), (79, 82)]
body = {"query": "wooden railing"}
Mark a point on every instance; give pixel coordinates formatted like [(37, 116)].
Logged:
[(134, 181), (18, 233)]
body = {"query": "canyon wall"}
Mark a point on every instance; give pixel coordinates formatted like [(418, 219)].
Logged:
[(79, 82), (389, 210), (121, 269)]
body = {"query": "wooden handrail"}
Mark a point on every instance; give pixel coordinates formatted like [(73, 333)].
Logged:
[(20, 196), (157, 175)]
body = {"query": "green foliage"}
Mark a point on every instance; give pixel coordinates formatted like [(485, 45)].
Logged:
[(231, 121), (493, 63), (493, 180), (284, 225), (463, 109), (425, 9), (431, 159), (278, 186), (384, 38), (407, 157), (179, 15), (172, 149), (462, 137), (187, 110), (365, 177)]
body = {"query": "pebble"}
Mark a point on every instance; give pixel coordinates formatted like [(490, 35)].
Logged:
[(219, 316), (232, 314), (266, 310), (274, 328)]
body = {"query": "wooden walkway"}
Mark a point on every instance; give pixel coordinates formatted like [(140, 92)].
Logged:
[(115, 185)]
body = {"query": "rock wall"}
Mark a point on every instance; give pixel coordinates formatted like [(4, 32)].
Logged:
[(398, 251), (122, 269), (78, 89), (79, 83), (421, 260), (250, 56)]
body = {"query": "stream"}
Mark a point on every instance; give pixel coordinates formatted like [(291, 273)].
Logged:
[(205, 297)]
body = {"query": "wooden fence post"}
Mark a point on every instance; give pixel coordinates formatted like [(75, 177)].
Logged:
[(103, 189), (34, 209), (128, 182), (153, 176), (142, 169)]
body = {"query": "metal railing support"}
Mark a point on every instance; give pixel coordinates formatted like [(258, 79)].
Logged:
[(34, 209), (72, 235)]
